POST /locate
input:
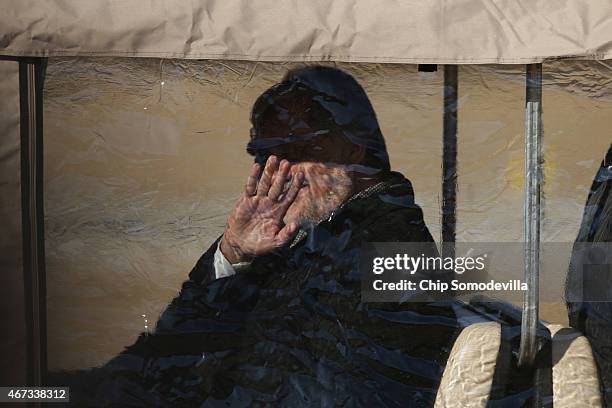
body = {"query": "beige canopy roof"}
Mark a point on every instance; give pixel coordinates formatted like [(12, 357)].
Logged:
[(407, 31)]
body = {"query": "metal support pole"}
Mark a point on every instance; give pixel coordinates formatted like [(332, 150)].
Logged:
[(449, 161), (533, 185), (31, 74)]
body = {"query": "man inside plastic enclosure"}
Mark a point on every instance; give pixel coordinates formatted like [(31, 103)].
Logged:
[(272, 314), (317, 135)]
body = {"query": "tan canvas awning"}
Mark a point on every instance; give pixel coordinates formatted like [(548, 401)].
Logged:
[(432, 31)]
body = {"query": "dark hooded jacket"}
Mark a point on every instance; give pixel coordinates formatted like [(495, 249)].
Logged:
[(292, 330)]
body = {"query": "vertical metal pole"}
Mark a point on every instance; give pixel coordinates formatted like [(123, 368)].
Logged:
[(533, 186), (30, 83), (449, 161)]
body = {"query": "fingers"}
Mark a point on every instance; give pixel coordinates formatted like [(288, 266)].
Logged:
[(285, 234), (278, 183), (266, 179), (296, 184), (251, 184)]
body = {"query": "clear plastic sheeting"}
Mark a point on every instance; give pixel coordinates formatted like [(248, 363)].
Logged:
[(145, 159), (577, 104)]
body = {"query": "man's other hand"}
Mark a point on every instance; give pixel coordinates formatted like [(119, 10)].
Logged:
[(255, 225)]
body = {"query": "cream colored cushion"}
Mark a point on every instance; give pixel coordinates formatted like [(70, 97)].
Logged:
[(575, 379), (468, 376)]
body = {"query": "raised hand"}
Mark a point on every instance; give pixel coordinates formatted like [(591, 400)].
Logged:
[(255, 225)]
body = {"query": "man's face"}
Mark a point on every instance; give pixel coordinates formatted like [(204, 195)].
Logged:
[(327, 183), (325, 187)]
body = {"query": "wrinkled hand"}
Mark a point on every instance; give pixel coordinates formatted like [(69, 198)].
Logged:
[(255, 225)]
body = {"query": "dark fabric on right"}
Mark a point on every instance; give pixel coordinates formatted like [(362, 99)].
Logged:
[(594, 319)]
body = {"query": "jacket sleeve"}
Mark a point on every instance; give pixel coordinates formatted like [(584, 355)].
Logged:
[(204, 270)]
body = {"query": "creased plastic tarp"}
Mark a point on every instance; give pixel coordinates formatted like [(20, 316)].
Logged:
[(440, 31)]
